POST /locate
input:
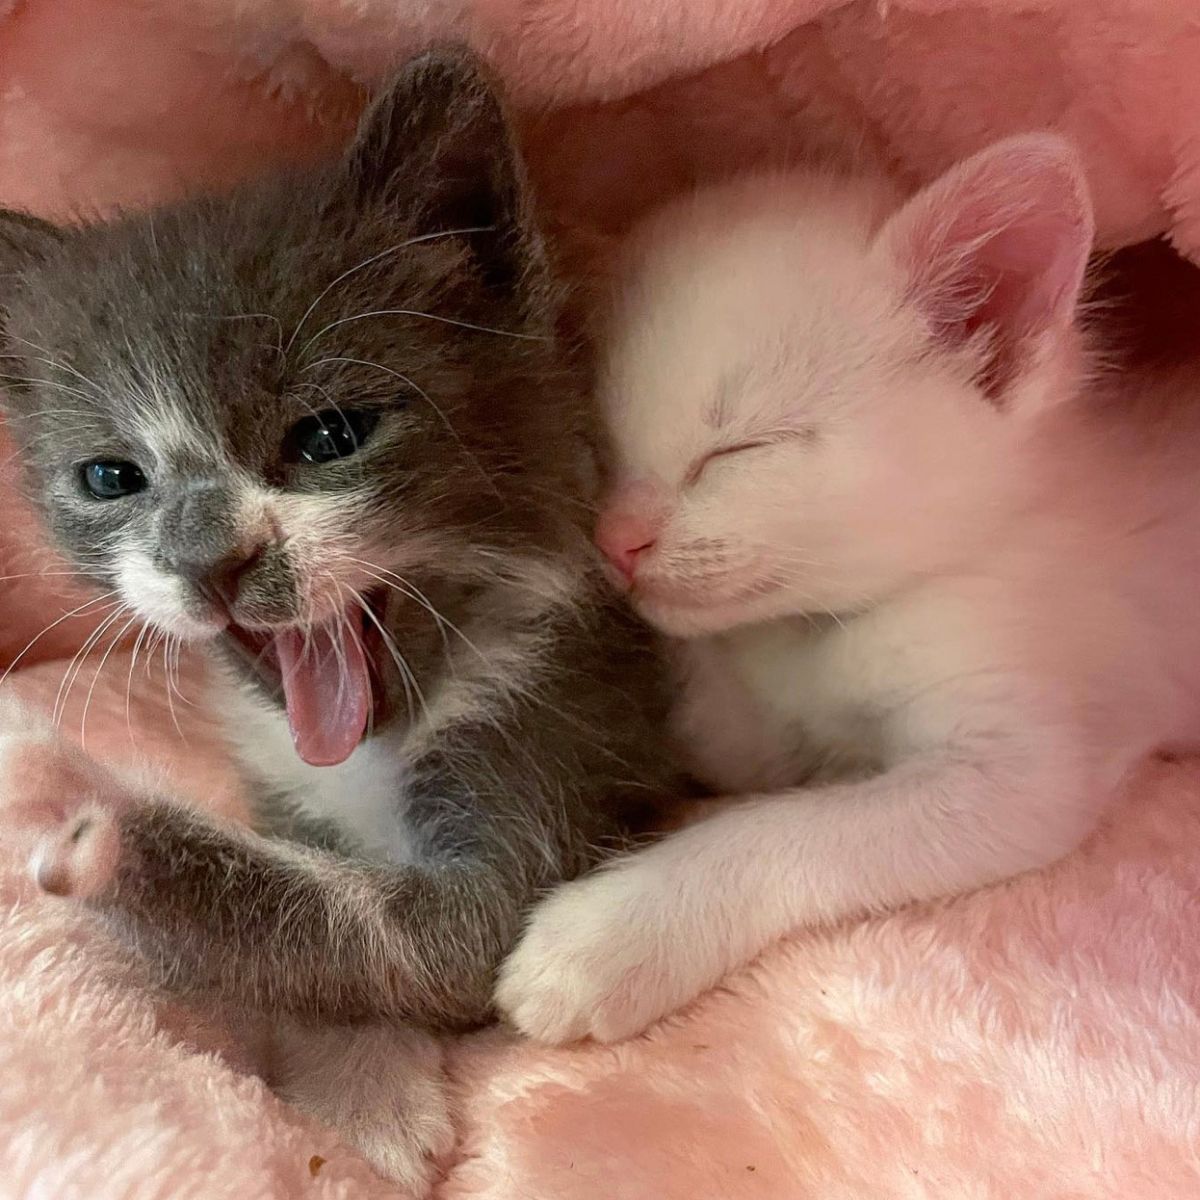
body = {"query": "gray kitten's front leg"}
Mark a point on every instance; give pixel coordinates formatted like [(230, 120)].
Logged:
[(285, 928), (492, 813), (290, 929)]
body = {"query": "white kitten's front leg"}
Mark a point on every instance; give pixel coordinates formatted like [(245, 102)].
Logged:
[(607, 955)]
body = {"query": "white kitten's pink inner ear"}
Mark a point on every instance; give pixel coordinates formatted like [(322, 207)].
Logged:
[(1000, 241)]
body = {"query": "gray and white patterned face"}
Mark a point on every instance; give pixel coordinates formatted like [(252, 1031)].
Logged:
[(250, 415)]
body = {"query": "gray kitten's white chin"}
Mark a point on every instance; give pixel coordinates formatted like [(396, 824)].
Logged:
[(183, 627)]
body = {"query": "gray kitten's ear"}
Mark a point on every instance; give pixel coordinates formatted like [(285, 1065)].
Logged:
[(439, 145), (24, 239)]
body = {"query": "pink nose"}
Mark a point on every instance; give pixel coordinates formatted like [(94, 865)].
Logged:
[(624, 537)]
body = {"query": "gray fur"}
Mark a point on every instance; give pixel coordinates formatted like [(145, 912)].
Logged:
[(191, 340)]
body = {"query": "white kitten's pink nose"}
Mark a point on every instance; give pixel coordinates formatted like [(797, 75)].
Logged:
[(624, 534), (630, 524)]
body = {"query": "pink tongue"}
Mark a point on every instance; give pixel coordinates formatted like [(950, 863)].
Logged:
[(328, 690)]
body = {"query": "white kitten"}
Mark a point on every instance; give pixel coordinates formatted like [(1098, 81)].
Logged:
[(931, 573)]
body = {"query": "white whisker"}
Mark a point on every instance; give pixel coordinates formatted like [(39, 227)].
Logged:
[(76, 665), (166, 648), (407, 677), (77, 611), (87, 703), (143, 636), (367, 262), (416, 387), (407, 588), (95, 392), (424, 316)]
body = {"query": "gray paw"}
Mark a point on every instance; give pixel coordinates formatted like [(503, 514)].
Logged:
[(382, 1088)]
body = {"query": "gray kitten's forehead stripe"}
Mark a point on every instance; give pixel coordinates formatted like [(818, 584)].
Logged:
[(177, 439)]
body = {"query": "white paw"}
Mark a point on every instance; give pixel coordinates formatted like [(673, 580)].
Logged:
[(602, 958)]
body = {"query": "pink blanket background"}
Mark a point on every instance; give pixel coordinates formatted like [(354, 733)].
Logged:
[(1039, 1039)]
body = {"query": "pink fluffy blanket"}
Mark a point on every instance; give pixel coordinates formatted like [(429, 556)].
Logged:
[(1039, 1039)]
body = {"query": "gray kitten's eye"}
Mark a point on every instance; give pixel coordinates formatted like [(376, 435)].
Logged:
[(329, 435), (110, 479)]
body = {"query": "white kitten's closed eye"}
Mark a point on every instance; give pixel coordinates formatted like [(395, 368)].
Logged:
[(696, 471)]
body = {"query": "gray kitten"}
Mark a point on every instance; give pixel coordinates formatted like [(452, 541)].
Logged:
[(325, 424)]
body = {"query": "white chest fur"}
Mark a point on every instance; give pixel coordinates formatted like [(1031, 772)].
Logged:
[(791, 702), (365, 795)]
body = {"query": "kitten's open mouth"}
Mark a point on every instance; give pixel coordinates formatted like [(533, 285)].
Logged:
[(329, 676)]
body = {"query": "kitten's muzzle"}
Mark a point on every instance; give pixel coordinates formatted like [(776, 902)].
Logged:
[(236, 573), (252, 587), (220, 584)]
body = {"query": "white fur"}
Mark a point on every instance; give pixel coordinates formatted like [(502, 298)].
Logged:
[(958, 619), (364, 795), (158, 596)]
